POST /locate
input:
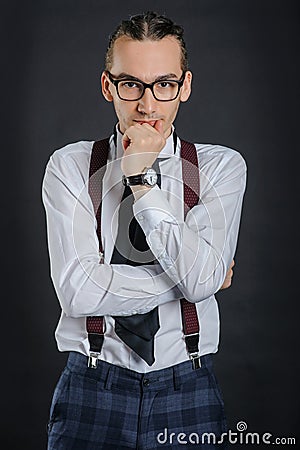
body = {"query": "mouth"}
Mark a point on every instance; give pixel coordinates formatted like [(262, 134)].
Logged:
[(149, 122)]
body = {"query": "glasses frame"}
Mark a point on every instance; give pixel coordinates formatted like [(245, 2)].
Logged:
[(116, 82)]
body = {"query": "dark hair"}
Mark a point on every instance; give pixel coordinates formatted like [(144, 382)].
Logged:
[(149, 25)]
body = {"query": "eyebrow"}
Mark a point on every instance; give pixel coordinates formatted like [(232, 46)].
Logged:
[(127, 76)]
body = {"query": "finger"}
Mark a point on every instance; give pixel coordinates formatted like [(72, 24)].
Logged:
[(159, 127), (232, 264), (125, 141), (128, 136)]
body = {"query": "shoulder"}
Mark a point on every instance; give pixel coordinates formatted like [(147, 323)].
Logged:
[(219, 160), (220, 165), (218, 153), (80, 150), (70, 164)]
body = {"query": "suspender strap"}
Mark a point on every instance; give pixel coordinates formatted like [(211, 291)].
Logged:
[(95, 325), (97, 168), (190, 173)]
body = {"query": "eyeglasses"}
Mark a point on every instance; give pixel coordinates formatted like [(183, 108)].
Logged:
[(132, 89)]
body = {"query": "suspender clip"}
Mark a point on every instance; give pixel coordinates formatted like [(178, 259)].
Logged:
[(93, 360), (192, 344), (195, 358)]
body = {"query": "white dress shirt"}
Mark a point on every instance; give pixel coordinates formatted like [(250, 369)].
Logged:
[(193, 254)]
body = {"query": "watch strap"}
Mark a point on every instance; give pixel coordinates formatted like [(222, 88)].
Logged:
[(133, 180), (147, 178)]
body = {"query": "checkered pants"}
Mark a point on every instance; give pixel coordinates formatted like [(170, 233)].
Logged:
[(113, 408)]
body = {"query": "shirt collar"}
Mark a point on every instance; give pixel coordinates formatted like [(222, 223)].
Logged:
[(168, 150)]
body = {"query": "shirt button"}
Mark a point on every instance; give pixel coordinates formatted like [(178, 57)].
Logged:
[(146, 382), (141, 217)]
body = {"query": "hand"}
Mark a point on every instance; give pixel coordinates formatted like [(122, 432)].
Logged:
[(228, 278), (142, 143)]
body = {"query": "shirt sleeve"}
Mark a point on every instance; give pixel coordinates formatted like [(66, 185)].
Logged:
[(83, 286), (196, 253)]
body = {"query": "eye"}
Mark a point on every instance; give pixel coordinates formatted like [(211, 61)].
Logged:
[(130, 84), (164, 84)]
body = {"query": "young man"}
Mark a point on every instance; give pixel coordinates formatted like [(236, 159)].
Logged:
[(145, 385)]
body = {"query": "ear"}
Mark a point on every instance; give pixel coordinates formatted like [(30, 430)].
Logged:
[(186, 87), (105, 85)]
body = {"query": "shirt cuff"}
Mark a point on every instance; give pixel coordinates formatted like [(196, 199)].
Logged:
[(151, 209)]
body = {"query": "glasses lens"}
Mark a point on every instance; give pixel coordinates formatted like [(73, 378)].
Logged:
[(133, 90), (166, 90), (130, 90)]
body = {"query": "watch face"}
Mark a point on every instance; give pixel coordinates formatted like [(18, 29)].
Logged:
[(150, 177)]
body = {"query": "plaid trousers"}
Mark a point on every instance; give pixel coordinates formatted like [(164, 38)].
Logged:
[(113, 408)]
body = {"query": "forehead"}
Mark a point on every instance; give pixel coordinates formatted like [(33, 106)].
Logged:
[(146, 59)]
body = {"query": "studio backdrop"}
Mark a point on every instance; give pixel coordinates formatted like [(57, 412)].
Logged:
[(244, 56)]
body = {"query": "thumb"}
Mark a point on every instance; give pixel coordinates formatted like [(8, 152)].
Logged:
[(159, 127)]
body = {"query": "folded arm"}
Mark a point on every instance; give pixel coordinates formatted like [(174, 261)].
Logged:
[(197, 253), (83, 286)]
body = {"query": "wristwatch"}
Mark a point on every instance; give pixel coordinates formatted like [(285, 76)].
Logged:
[(147, 178)]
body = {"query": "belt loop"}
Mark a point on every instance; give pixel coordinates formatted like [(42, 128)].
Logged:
[(176, 379), (109, 378)]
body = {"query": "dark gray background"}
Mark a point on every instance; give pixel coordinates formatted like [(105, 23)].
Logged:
[(244, 56)]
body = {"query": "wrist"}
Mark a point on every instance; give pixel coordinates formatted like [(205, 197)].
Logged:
[(139, 191), (133, 173), (148, 177)]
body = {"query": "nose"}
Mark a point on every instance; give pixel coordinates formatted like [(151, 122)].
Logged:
[(147, 104)]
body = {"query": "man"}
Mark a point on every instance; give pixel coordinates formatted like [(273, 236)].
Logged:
[(140, 388)]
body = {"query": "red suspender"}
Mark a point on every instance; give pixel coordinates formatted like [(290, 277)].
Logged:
[(190, 175), (190, 172), (97, 164), (95, 325)]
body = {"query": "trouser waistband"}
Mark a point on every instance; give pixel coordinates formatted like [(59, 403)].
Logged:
[(111, 376)]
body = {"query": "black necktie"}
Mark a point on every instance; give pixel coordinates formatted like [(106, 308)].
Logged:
[(131, 248)]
